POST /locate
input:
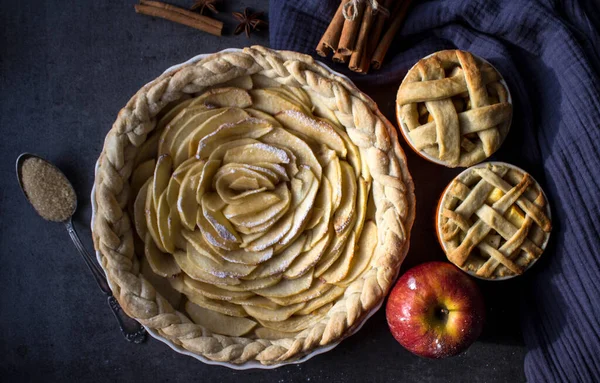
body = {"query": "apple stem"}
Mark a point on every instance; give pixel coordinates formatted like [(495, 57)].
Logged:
[(442, 314)]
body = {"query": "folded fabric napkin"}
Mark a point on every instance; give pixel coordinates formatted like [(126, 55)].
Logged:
[(548, 53)]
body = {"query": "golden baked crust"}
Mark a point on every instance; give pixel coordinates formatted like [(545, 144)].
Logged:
[(455, 108), (493, 220), (382, 165)]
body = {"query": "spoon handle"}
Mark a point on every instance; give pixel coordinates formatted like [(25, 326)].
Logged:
[(131, 329)]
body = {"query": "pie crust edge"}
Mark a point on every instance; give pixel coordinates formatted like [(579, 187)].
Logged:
[(113, 230)]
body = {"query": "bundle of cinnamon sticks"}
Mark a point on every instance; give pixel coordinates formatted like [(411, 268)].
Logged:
[(364, 41)]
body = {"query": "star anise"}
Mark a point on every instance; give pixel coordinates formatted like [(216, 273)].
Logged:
[(248, 22), (205, 4)]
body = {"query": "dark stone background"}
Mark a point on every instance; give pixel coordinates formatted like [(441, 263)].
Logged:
[(66, 68)]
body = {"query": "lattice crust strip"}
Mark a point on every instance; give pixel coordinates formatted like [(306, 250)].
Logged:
[(391, 188), (455, 107), (493, 220)]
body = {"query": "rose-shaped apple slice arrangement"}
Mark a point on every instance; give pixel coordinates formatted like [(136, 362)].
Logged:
[(435, 310), (255, 208)]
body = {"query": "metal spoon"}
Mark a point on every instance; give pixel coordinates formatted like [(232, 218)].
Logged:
[(131, 329)]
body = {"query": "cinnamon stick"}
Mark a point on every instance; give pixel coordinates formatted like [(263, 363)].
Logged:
[(360, 48), (350, 31), (331, 37), (179, 15), (340, 58), (396, 22), (374, 37)]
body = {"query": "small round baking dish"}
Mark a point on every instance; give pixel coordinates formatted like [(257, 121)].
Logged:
[(468, 179)]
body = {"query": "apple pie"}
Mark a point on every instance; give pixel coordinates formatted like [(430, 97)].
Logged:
[(252, 206), (454, 108), (493, 220)]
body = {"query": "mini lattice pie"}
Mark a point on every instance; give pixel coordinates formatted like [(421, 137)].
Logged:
[(252, 206), (454, 108), (493, 220)]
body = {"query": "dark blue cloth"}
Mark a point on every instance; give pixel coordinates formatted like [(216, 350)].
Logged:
[(547, 52)]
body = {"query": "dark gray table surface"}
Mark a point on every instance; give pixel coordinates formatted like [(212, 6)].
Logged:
[(66, 69)]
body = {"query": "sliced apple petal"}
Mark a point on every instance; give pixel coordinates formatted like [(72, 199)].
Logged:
[(181, 126), (168, 113), (276, 169), (243, 82), (220, 270), (211, 235), (253, 284), (225, 97), (141, 174), (179, 145), (364, 251), (139, 210), (219, 152), (281, 262), (148, 150), (161, 263), (187, 204), (162, 219), (219, 306), (317, 289), (279, 314), (161, 284), (217, 322), (244, 183), (207, 127), (303, 263), (273, 235), (341, 266), (196, 239), (322, 207), (251, 204), (316, 303), (362, 200), (162, 174), (333, 172), (246, 257), (353, 156), (343, 215), (206, 178), (249, 128), (151, 219), (318, 130), (254, 219), (262, 116), (271, 102), (218, 221), (298, 322), (288, 287), (256, 152), (302, 152), (270, 334), (213, 201), (195, 272), (180, 173), (332, 253), (301, 212), (256, 301), (214, 292)]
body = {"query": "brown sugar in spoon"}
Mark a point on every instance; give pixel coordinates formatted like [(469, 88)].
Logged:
[(54, 199)]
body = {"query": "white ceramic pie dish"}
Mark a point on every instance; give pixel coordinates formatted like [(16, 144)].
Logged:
[(251, 364), (404, 128), (444, 195)]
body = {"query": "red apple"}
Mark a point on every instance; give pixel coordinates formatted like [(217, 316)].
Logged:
[(435, 310)]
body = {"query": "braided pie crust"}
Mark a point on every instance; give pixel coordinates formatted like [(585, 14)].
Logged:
[(328, 206)]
